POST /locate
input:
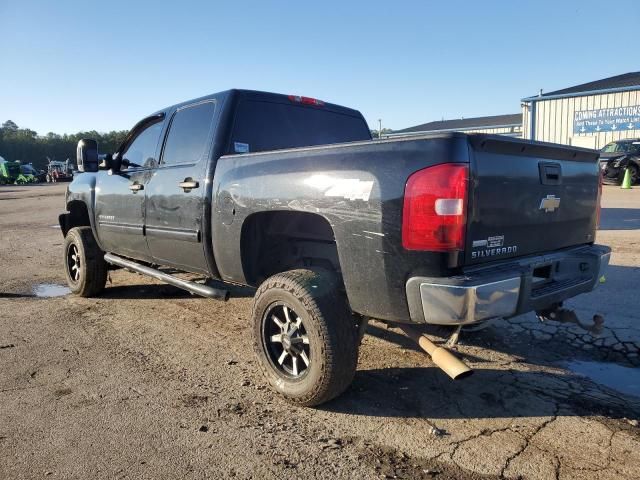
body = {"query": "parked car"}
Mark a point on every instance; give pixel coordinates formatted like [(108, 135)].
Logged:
[(31, 174), (291, 195), (59, 172), (617, 156)]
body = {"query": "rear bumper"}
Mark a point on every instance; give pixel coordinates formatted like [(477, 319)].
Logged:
[(507, 289)]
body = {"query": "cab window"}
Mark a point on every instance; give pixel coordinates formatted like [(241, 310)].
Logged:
[(142, 150), (188, 136), (261, 126)]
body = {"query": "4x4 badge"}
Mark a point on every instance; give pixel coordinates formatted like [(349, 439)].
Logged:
[(549, 203)]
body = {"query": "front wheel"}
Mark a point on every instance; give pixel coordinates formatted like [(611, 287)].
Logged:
[(305, 337), (634, 174), (84, 264)]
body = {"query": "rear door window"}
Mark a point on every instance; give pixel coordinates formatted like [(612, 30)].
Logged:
[(188, 138)]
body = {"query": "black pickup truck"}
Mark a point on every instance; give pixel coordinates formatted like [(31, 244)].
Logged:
[(291, 195)]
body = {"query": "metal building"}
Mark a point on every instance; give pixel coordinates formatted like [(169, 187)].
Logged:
[(587, 115), (510, 125)]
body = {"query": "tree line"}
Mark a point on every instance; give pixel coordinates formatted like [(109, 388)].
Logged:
[(24, 144)]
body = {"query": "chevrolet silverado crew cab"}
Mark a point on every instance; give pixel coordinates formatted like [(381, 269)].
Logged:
[(291, 195)]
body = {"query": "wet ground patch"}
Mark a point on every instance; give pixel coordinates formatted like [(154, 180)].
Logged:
[(48, 290), (617, 377)]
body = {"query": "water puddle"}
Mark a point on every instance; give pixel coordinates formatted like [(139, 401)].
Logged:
[(45, 290), (623, 379)]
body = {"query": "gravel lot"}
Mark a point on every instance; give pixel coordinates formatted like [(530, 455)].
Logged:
[(150, 382)]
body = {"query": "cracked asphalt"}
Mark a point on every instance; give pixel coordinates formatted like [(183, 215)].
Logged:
[(149, 382)]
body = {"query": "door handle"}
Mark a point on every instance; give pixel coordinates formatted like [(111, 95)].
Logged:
[(135, 187), (188, 184)]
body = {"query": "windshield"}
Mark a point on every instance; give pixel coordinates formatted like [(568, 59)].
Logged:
[(616, 147)]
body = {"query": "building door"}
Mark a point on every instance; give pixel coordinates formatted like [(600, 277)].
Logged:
[(175, 194)]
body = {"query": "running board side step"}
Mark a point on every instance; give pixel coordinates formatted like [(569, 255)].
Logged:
[(193, 287)]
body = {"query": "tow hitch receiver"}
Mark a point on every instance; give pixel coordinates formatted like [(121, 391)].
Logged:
[(564, 315)]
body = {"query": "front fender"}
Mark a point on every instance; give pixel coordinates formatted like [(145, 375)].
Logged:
[(83, 191)]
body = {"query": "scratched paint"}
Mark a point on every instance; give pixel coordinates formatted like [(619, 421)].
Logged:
[(373, 233)]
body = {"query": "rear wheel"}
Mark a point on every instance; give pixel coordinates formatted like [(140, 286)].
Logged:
[(305, 337), (84, 264)]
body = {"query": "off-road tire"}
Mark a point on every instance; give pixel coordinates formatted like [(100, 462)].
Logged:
[(634, 173), (317, 299), (92, 271)]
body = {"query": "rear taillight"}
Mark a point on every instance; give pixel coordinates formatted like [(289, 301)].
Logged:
[(598, 208), (306, 100), (435, 207)]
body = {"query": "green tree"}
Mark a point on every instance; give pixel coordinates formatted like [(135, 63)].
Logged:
[(26, 145), (9, 126)]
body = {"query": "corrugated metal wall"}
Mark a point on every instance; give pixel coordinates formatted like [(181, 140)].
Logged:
[(554, 118)]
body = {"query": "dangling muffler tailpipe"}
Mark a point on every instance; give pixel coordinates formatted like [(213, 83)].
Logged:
[(443, 358)]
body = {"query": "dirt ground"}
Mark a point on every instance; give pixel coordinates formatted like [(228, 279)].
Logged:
[(149, 382)]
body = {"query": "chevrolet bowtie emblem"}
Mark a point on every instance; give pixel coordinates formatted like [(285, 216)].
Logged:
[(549, 203)]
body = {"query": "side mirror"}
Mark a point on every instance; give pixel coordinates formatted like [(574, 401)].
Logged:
[(87, 155)]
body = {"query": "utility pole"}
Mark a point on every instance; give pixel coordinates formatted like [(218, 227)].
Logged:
[(379, 128)]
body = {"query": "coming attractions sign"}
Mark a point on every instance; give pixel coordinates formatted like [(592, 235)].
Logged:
[(607, 119)]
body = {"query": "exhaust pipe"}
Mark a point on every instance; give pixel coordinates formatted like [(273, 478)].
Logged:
[(443, 358)]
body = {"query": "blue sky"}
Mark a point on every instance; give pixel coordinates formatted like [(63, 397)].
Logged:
[(68, 66)]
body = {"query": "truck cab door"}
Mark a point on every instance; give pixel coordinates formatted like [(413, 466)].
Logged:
[(120, 196), (176, 193)]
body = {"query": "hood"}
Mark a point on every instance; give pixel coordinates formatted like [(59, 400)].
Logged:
[(612, 155)]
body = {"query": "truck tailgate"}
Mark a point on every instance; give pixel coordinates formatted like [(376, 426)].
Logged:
[(528, 197)]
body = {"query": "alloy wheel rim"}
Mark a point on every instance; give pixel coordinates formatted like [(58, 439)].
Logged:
[(285, 340), (74, 262)]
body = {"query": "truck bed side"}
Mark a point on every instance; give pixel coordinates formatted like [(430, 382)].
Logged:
[(344, 197)]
